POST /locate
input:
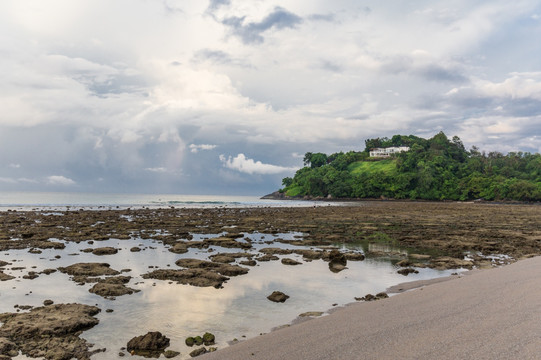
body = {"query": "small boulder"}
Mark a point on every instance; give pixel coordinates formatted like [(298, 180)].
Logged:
[(208, 339), (108, 290), (288, 261), (198, 352), (31, 275), (407, 271), (337, 257), (337, 261), (335, 268), (278, 296), (170, 354), (198, 340), (311, 314), (151, 344), (268, 257), (179, 248), (5, 277), (88, 269), (105, 251), (370, 297), (248, 262)]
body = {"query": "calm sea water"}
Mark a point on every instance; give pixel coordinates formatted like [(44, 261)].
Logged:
[(25, 200)]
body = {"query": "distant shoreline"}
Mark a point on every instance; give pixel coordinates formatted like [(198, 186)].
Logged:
[(281, 196)]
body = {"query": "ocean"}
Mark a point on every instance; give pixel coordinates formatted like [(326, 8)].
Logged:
[(57, 200)]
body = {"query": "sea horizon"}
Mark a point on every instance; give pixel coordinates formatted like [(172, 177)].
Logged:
[(22, 200)]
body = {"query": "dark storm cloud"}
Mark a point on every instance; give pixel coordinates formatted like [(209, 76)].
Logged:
[(252, 32)]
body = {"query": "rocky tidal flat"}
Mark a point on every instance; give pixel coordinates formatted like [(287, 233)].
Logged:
[(192, 271)]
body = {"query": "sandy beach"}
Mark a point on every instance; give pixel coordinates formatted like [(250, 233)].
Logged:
[(488, 314)]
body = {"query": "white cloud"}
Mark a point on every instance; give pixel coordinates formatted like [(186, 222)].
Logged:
[(15, 166), (250, 166), (195, 148), (157, 169), (518, 85), (7, 180), (59, 180)]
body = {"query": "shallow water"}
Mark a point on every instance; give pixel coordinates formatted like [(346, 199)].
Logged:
[(237, 311)]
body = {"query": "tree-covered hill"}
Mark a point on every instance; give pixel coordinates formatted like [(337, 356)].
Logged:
[(433, 169)]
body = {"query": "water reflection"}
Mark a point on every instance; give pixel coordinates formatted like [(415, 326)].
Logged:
[(386, 248), (178, 311)]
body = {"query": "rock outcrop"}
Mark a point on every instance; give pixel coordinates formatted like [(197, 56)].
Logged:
[(50, 331)]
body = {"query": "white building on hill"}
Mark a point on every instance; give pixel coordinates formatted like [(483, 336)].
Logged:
[(386, 152)]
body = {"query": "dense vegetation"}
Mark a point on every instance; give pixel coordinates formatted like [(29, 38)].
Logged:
[(433, 169)]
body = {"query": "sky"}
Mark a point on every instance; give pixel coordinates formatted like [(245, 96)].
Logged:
[(225, 96)]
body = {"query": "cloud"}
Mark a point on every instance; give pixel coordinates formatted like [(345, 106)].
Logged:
[(26, 180), (252, 32), (216, 4), (519, 85), (135, 92), (7, 180), (518, 95), (218, 57), (330, 66), (196, 148), (322, 17), (59, 180), (157, 169), (249, 166), (435, 72)]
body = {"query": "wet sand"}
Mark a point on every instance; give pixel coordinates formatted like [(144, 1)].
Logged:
[(489, 314)]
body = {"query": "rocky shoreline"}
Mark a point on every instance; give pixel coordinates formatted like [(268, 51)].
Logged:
[(412, 235)]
